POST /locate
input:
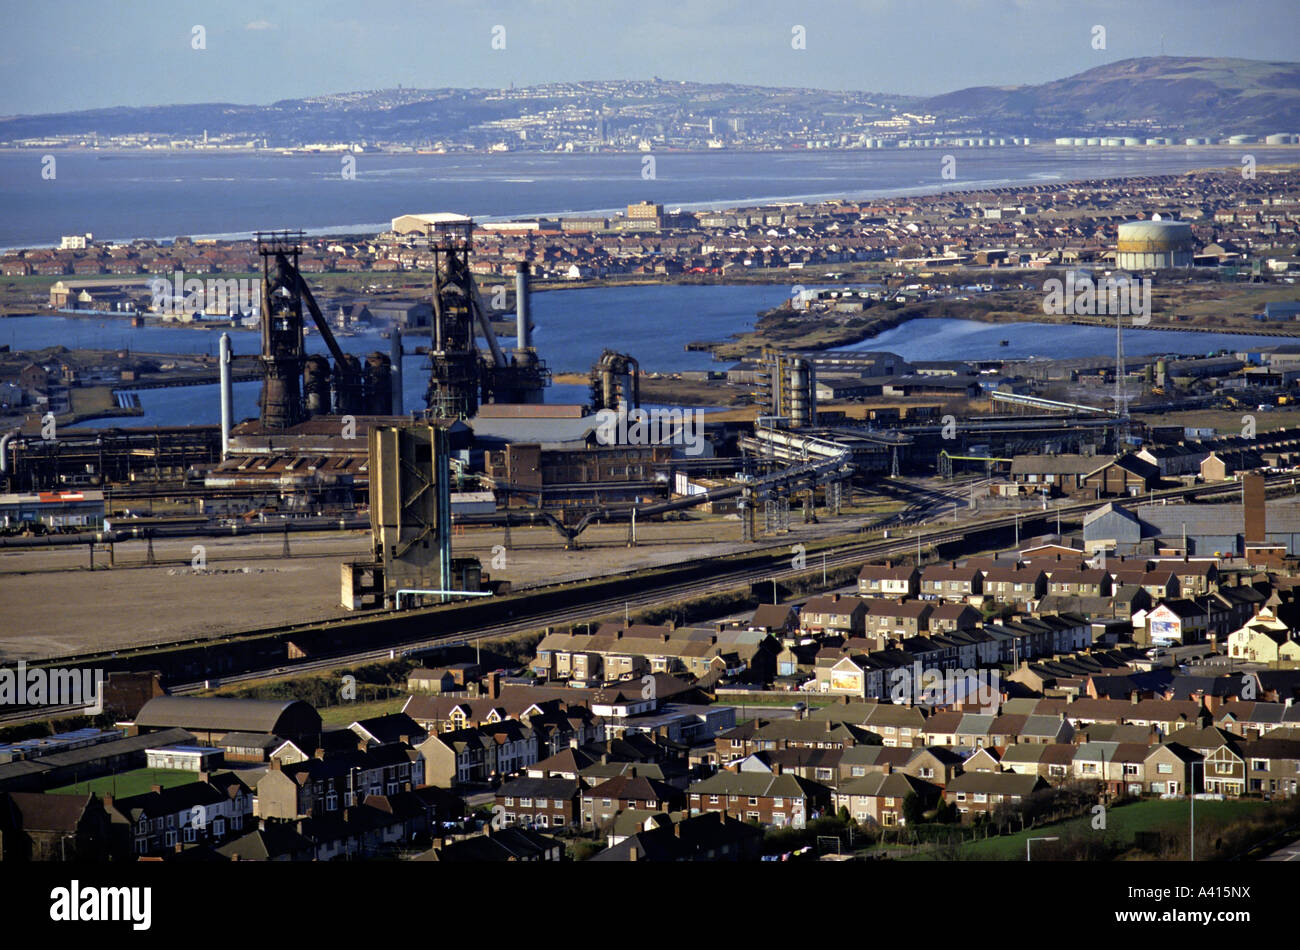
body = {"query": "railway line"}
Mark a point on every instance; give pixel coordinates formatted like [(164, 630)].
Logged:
[(778, 566)]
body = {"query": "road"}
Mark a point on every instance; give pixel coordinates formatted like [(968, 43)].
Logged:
[(1288, 852)]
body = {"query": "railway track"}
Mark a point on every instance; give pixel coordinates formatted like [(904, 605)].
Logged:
[(778, 567)]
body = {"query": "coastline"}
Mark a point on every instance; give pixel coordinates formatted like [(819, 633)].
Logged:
[(954, 187)]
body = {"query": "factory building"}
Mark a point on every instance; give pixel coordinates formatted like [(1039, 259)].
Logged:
[(1154, 245), (54, 509)]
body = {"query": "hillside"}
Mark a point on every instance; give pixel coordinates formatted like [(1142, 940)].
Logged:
[(1155, 95)]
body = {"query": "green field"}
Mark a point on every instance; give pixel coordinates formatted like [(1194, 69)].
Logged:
[(129, 783), (1122, 824), (348, 713)]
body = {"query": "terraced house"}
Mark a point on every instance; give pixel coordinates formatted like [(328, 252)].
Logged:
[(878, 799), (891, 618), (616, 652), (833, 614), (602, 802), (888, 580), (895, 725), (540, 802), (209, 810), (770, 799), (951, 583), (977, 793), (1019, 586)]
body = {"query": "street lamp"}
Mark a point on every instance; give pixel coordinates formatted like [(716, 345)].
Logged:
[(1030, 841)]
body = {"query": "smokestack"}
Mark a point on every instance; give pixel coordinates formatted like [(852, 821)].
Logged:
[(1254, 501), (396, 359), (521, 306), (227, 392)]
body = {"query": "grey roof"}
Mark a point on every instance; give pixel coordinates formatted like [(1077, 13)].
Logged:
[(546, 431), (1281, 516), (221, 714), (12, 772)]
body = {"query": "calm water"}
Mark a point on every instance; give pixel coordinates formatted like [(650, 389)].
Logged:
[(941, 339), (652, 324), (124, 196)]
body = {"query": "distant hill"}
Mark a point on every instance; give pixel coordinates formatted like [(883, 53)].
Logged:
[(1176, 96), (1188, 94)]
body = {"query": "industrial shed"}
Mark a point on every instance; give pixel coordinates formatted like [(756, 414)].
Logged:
[(210, 719)]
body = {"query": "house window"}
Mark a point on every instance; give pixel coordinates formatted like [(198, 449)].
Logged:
[(510, 800), (1164, 768), (528, 802), (169, 839), (981, 797), (713, 799), (190, 834), (331, 801)]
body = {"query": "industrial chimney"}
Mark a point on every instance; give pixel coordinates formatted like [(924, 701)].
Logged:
[(395, 358), (521, 306), (227, 393)]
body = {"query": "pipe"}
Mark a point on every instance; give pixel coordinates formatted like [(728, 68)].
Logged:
[(522, 341), (4, 451), (395, 358), (227, 392), (397, 596)]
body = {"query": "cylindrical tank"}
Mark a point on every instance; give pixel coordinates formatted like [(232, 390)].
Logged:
[(379, 385), (349, 395), (798, 394), (316, 385)]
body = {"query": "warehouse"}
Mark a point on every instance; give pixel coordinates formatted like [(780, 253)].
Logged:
[(210, 719), (54, 509)]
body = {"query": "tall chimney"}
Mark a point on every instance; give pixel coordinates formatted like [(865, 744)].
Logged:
[(395, 357), (1253, 500), (227, 392), (521, 306)]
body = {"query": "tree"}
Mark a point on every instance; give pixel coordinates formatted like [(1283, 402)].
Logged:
[(913, 809)]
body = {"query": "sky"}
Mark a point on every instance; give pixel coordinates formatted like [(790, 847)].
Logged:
[(68, 55)]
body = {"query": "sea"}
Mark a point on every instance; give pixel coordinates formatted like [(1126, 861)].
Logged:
[(123, 196), (120, 196), (651, 323)]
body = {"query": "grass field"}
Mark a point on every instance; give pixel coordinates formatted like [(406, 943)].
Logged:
[(349, 713), (129, 783), (1122, 824)]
